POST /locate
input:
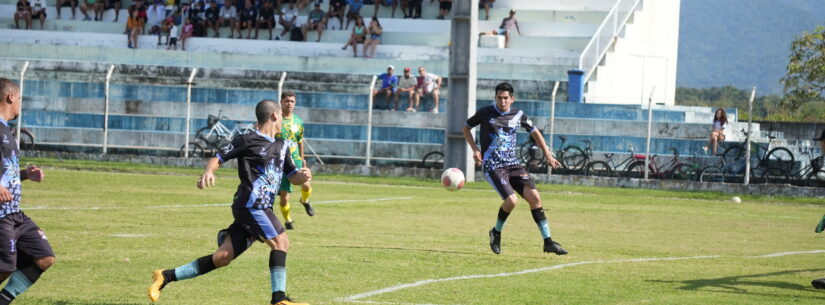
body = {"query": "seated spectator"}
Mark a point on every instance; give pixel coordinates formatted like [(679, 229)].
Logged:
[(134, 26), (88, 6), (38, 11), (289, 15), (156, 12), (301, 4), (359, 35), (164, 30), (374, 39), (140, 7), (227, 17), (389, 84), (378, 3), (98, 10), (59, 4), (354, 11), (266, 18), (717, 135), (486, 5), (507, 26), (407, 84), (111, 5), (444, 7), (248, 16), (210, 18), (414, 7), (188, 29), (336, 10), (315, 22), (428, 83), (23, 12), (197, 13)]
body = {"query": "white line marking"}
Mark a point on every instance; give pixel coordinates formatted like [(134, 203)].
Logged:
[(357, 297), (130, 235), (207, 205)]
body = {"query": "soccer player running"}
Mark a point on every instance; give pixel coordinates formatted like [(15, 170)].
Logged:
[(292, 133), (25, 252), (502, 169), (262, 162)]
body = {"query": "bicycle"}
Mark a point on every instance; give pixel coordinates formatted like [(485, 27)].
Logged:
[(572, 158), (775, 157), (812, 174), (673, 169), (433, 160), (26, 138), (211, 138), (608, 168)]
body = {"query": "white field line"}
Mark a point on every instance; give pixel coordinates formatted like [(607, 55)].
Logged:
[(206, 205), (357, 297)]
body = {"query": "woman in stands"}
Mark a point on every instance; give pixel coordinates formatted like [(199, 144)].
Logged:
[(188, 29), (359, 34), (371, 43), (134, 25), (720, 120)]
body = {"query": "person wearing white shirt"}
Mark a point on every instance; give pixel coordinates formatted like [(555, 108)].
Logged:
[(428, 83), (228, 14), (287, 19), (39, 11)]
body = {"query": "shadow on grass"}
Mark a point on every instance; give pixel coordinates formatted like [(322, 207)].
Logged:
[(733, 284)]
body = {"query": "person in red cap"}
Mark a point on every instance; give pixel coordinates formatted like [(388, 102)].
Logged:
[(407, 84)]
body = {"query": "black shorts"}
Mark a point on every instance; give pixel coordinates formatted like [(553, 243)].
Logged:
[(445, 5), (37, 15), (249, 225), (509, 180), (20, 238)]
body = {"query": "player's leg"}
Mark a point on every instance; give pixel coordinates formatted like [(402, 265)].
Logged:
[(521, 181), (33, 254), (306, 191), (497, 179), (284, 205)]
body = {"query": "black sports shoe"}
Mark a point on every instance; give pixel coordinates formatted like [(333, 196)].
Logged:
[(308, 207), (551, 246), (288, 225), (495, 241), (818, 283)]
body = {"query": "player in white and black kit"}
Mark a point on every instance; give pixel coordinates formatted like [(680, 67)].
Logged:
[(502, 169)]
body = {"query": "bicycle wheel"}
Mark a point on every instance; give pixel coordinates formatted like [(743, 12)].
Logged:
[(635, 170), (433, 160), (598, 169), (530, 151), (573, 159), (780, 157), (712, 174), (26, 140), (195, 150), (775, 175), (683, 171), (733, 153), (815, 179)]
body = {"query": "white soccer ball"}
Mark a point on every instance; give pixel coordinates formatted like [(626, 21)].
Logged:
[(736, 199), (452, 179)]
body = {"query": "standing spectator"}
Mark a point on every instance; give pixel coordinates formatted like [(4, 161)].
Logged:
[(444, 7), (374, 39), (378, 3), (414, 7), (249, 16), (266, 17), (428, 83), (315, 22), (507, 26), (389, 84), (407, 84), (24, 11), (112, 5), (359, 34), (717, 135), (287, 19), (354, 11), (134, 26), (486, 5), (173, 35), (39, 11), (59, 4), (156, 12), (337, 9), (227, 17), (210, 18), (188, 28), (171, 6), (300, 4)]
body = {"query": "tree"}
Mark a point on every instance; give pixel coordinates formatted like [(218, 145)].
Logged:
[(805, 81)]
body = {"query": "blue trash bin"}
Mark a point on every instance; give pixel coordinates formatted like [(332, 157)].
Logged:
[(575, 86)]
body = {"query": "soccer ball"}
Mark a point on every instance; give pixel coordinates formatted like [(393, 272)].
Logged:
[(452, 179)]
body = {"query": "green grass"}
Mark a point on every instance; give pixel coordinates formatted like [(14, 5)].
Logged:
[(356, 245)]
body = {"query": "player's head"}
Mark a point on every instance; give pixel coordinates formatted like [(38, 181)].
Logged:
[(10, 95), (287, 102), (504, 96), (268, 112)]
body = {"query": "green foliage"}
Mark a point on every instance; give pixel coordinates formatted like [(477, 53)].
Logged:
[(768, 107), (805, 81)]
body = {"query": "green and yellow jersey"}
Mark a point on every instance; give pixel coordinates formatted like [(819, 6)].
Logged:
[(292, 130)]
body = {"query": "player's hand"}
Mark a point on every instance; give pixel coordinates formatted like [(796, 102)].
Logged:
[(206, 180), (5, 195), (34, 173), (553, 162), (477, 157)]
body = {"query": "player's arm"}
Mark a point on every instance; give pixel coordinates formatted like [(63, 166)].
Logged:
[(518, 29), (536, 134), (32, 173), (208, 177), (468, 136), (296, 176)]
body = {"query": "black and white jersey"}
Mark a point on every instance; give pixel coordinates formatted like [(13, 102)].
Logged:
[(498, 135)]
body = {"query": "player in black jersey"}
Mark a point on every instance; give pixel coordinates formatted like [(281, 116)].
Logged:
[(262, 161), (25, 252), (502, 169)]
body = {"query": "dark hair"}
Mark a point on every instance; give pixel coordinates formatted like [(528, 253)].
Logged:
[(724, 119), (265, 109), (504, 87), (287, 93), (376, 21)]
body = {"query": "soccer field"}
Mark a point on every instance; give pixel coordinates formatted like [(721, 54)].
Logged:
[(406, 241)]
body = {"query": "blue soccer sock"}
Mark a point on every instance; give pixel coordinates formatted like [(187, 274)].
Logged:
[(195, 268), (19, 281), (541, 221), (277, 272), (502, 218)]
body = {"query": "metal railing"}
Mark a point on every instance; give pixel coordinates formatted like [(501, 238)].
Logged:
[(605, 35)]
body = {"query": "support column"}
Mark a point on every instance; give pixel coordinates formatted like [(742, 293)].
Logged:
[(461, 101)]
